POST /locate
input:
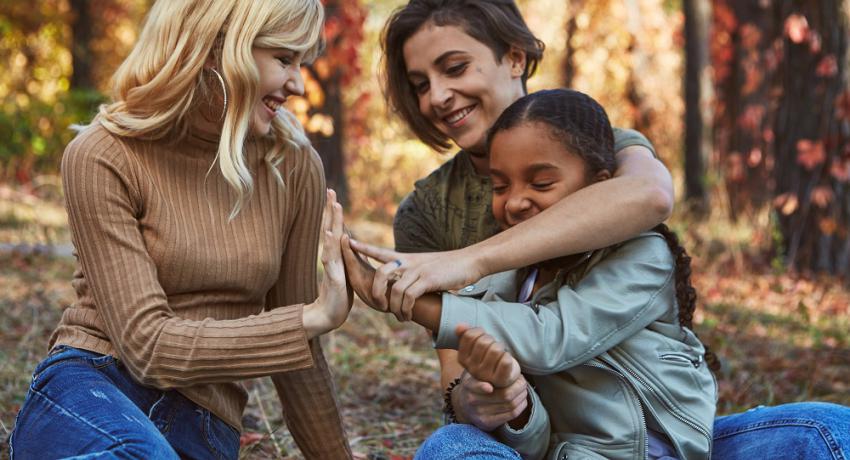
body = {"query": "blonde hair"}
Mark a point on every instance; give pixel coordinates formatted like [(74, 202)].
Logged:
[(160, 83)]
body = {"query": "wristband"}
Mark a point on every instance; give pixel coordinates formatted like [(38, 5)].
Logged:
[(448, 408)]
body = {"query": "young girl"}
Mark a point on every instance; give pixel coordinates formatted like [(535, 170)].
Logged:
[(604, 336), (195, 204)]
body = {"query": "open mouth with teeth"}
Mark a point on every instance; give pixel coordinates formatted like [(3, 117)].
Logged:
[(456, 118), (272, 104)]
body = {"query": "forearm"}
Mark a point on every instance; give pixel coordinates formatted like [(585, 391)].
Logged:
[(450, 368), (639, 197), (316, 322), (174, 352), (427, 311)]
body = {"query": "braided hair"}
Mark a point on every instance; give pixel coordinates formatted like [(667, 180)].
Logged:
[(581, 125), (686, 294)]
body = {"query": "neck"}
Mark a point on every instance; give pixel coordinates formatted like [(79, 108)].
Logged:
[(481, 163)]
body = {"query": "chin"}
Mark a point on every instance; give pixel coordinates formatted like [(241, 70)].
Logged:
[(260, 129)]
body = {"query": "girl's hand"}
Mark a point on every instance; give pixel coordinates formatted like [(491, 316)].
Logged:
[(493, 390), (486, 359), (332, 306), (477, 403), (360, 275), (416, 274)]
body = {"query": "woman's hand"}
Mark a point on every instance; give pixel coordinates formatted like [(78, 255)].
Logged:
[(492, 391), (416, 274), (332, 306)]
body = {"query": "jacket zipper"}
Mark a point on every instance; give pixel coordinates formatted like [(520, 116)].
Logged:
[(634, 394), (681, 358), (663, 400)]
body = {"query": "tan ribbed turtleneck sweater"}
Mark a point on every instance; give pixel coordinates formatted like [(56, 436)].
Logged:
[(188, 300)]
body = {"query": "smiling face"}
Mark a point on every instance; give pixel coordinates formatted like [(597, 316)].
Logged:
[(460, 85), (280, 77), (531, 170)]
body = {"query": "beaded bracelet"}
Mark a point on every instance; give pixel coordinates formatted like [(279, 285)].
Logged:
[(448, 409)]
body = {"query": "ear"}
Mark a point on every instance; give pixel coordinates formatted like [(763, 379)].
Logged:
[(516, 58), (602, 175)]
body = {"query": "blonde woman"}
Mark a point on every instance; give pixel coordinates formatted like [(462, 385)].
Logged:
[(195, 203)]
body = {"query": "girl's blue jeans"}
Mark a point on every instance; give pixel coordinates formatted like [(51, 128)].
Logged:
[(808, 430), (87, 406)]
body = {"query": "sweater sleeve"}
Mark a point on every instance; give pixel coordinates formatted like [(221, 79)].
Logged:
[(308, 396), (159, 348), (625, 292)]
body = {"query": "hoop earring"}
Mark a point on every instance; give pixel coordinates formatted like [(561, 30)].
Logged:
[(223, 90)]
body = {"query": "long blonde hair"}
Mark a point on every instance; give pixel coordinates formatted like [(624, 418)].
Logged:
[(160, 83)]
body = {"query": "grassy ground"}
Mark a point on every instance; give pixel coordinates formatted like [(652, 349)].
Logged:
[(780, 338)]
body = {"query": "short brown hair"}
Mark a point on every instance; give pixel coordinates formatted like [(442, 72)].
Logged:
[(497, 24)]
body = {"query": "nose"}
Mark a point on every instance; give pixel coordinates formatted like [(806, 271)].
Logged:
[(441, 94), (294, 85), (517, 206)]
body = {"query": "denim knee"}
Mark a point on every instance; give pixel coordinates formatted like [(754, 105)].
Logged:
[(797, 430), (73, 408), (462, 441)]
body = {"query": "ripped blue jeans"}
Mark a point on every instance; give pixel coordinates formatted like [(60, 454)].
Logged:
[(87, 406)]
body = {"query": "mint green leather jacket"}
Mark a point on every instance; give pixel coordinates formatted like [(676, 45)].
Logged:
[(603, 350)]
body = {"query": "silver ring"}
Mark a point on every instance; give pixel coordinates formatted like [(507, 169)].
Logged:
[(397, 263)]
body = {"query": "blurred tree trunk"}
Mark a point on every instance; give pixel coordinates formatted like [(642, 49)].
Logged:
[(82, 76), (569, 67), (783, 121), (636, 95), (745, 53), (812, 136), (331, 72), (330, 147), (697, 88)]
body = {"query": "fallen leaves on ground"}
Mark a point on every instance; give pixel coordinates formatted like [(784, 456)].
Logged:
[(781, 338)]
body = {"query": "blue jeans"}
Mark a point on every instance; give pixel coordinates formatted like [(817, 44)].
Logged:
[(460, 441), (808, 430), (87, 406), (798, 430)]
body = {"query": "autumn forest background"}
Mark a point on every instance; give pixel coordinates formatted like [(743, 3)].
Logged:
[(746, 101)]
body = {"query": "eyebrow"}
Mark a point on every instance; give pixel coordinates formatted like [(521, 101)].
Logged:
[(443, 57), (440, 60), (529, 170), (537, 167), (496, 172)]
